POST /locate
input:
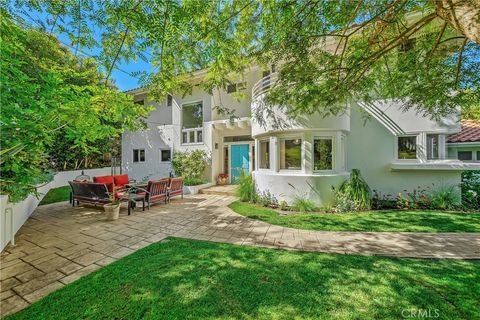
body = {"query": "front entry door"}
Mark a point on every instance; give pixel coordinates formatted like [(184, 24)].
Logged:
[(239, 161)]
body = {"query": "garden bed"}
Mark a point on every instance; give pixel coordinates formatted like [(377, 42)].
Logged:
[(380, 221)]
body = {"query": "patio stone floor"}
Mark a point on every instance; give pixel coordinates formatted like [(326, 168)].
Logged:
[(60, 244)]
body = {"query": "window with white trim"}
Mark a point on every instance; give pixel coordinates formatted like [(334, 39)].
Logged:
[(138, 155), (169, 100), (407, 147), (291, 154), (322, 153), (192, 122), (264, 154), (165, 155)]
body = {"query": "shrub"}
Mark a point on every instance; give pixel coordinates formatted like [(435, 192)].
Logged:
[(381, 201), (283, 205), (343, 202), (303, 204), (191, 165), (193, 181), (470, 188), (246, 188), (445, 198), (357, 189), (267, 199)]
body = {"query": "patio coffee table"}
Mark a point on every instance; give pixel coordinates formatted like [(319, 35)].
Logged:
[(132, 199)]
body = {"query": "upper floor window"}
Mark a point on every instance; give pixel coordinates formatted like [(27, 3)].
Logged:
[(235, 87), (264, 154), (192, 115), (291, 154), (138, 155), (140, 102), (169, 100), (407, 147), (322, 154), (432, 147)]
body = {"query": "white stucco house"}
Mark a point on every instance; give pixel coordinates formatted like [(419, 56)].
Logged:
[(394, 150)]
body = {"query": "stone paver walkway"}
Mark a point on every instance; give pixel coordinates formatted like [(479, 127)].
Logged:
[(59, 244)]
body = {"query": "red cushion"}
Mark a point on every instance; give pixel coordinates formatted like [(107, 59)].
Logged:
[(120, 179), (108, 180)]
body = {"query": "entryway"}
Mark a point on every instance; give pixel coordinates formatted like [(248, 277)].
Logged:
[(239, 161)]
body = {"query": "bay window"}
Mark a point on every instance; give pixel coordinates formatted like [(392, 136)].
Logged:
[(322, 154), (407, 147), (291, 154), (264, 154)]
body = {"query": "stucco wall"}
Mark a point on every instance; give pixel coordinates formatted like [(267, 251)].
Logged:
[(371, 148)]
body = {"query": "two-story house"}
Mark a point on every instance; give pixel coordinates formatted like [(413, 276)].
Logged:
[(394, 150)]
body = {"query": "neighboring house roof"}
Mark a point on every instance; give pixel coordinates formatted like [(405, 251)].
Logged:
[(470, 132), (134, 89)]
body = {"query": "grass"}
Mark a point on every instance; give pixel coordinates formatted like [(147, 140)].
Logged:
[(56, 195), (187, 279), (399, 221)]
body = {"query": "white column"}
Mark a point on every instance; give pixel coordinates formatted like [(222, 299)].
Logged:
[(307, 152), (274, 164)]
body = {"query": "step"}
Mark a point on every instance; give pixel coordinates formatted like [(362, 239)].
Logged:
[(227, 190)]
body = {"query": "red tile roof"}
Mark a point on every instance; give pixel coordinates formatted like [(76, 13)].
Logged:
[(470, 132)]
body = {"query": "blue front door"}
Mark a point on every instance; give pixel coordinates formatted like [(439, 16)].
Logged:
[(239, 161)]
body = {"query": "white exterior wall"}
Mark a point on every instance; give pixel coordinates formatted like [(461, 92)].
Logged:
[(22, 210), (165, 131), (372, 149), (157, 136)]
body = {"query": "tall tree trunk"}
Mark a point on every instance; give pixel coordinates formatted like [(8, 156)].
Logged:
[(463, 15)]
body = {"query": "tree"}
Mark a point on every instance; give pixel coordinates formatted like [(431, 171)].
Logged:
[(46, 91), (424, 52)]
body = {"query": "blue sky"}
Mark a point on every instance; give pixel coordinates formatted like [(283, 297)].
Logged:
[(120, 74)]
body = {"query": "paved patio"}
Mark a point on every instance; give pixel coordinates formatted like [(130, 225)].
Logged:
[(59, 244)]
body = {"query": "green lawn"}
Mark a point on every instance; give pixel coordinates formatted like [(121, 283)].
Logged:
[(407, 221), (187, 279), (56, 195)]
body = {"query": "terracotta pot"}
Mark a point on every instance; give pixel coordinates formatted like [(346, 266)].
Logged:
[(112, 211), (222, 181)]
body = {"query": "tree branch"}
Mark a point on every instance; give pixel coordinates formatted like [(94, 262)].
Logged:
[(459, 63)]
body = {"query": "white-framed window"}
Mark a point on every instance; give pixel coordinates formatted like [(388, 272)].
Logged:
[(236, 87), (323, 153), (433, 149), (169, 100), (407, 147), (138, 155), (165, 155), (291, 154), (465, 155), (192, 122), (264, 154)]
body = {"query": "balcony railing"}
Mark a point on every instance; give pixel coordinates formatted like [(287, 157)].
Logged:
[(263, 85)]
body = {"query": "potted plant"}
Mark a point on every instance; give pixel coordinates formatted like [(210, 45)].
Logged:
[(112, 209), (222, 179)]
